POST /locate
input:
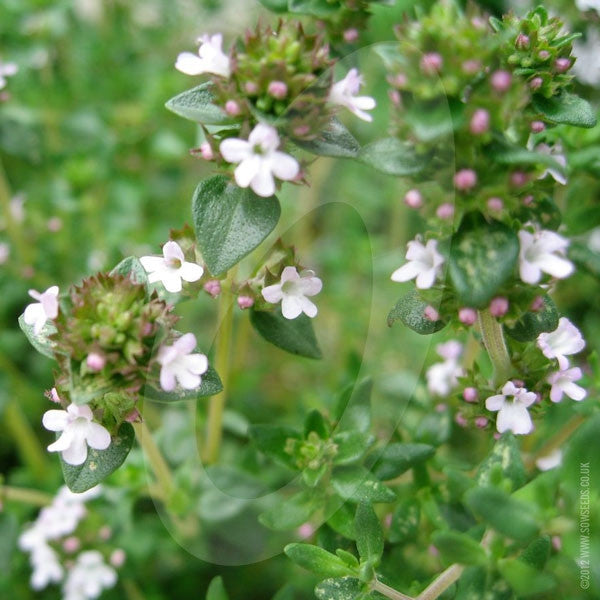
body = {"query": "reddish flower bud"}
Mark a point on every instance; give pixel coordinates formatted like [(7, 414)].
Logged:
[(465, 179), (277, 89), (212, 287), (351, 35), (431, 314), (472, 66), (562, 65), (467, 316), (522, 42), (460, 420), (245, 302), (519, 178), (413, 198), (117, 558), (251, 88), (543, 55), (538, 126), (495, 204), (536, 83), (499, 306), (232, 108), (501, 81), (470, 394), (431, 63), (537, 304), (480, 122), (206, 151), (95, 361), (481, 422), (445, 211)]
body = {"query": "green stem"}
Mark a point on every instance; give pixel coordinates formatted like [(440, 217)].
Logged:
[(389, 592), (214, 425), (493, 339), (441, 583), (14, 494), (159, 465)]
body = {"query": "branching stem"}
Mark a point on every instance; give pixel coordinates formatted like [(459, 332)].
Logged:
[(493, 339)]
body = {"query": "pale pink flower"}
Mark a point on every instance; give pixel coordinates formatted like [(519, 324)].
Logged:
[(543, 252), (210, 59), (565, 340), (345, 92), (171, 268), (512, 414), (293, 292), (424, 264), (46, 307), (179, 365), (563, 383)]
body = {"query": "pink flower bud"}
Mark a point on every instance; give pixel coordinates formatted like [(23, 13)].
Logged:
[(536, 83), (495, 204), (413, 198), (431, 63), (465, 179), (538, 126), (278, 89), (301, 130), (395, 97), (467, 316), (53, 396), (522, 42), (251, 88), (54, 224), (306, 530), (537, 304), (245, 302), (480, 121), (478, 23), (117, 558), (470, 394), (232, 108), (460, 420), (556, 542), (387, 520), (499, 306), (501, 81), (351, 35), (519, 383), (481, 422), (71, 544), (528, 200), (398, 80), (472, 66), (212, 287), (445, 211), (431, 314), (206, 151), (133, 416), (519, 178), (105, 532), (543, 55), (496, 436), (441, 407), (95, 361), (562, 65)]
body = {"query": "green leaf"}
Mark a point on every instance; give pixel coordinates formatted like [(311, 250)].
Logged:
[(369, 534), (131, 267), (359, 485), (504, 513), (410, 309), (507, 456), (99, 463), (353, 409), (531, 324), (517, 155), (209, 386), (40, 341), (291, 513), (482, 257), (341, 517), (396, 459), (351, 446), (345, 588), (315, 421), (537, 553), (585, 257), (335, 141), (566, 108), (392, 157), (272, 439), (405, 521), (472, 584), (277, 6), (317, 560), (321, 9), (433, 120), (292, 335), (524, 579), (230, 221), (197, 105), (456, 547), (216, 590)]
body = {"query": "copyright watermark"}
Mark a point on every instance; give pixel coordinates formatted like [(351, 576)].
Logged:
[(584, 526)]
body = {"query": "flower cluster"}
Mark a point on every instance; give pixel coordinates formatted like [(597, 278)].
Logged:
[(274, 85), (52, 541)]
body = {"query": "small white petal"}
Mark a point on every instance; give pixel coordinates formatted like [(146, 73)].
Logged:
[(97, 436), (190, 64), (291, 307), (55, 420), (190, 272), (272, 293)]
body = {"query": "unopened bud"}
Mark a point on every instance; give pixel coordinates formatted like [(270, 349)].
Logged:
[(251, 88), (536, 83), (232, 108), (499, 306), (467, 316), (495, 204), (562, 65), (538, 126), (501, 81), (95, 361), (71, 544), (351, 35), (245, 302), (413, 198), (519, 178), (470, 394), (471, 66), (117, 558), (481, 422), (431, 314), (206, 151), (522, 42), (465, 179), (537, 304), (543, 55), (460, 420), (480, 122), (277, 89), (431, 63), (445, 211), (212, 287)]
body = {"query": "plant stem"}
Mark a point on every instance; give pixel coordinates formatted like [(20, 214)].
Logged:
[(15, 494), (441, 583), (159, 465), (389, 592), (214, 425), (493, 339)]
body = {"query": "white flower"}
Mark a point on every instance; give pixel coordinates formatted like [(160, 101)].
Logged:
[(88, 577), (563, 382), (6, 70), (550, 461), (566, 339), (46, 567), (344, 93), (424, 263), (587, 65), (556, 152), (442, 377), (171, 268), (179, 364), (512, 414), (542, 252), (46, 307), (259, 160), (210, 59), (292, 292), (78, 432), (584, 5)]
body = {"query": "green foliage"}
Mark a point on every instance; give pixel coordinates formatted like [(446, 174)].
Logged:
[(209, 386), (410, 310), (230, 222), (216, 590), (392, 157), (396, 459), (531, 324), (197, 105), (369, 535), (455, 547), (317, 560), (566, 109), (335, 141), (99, 463), (41, 341)]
